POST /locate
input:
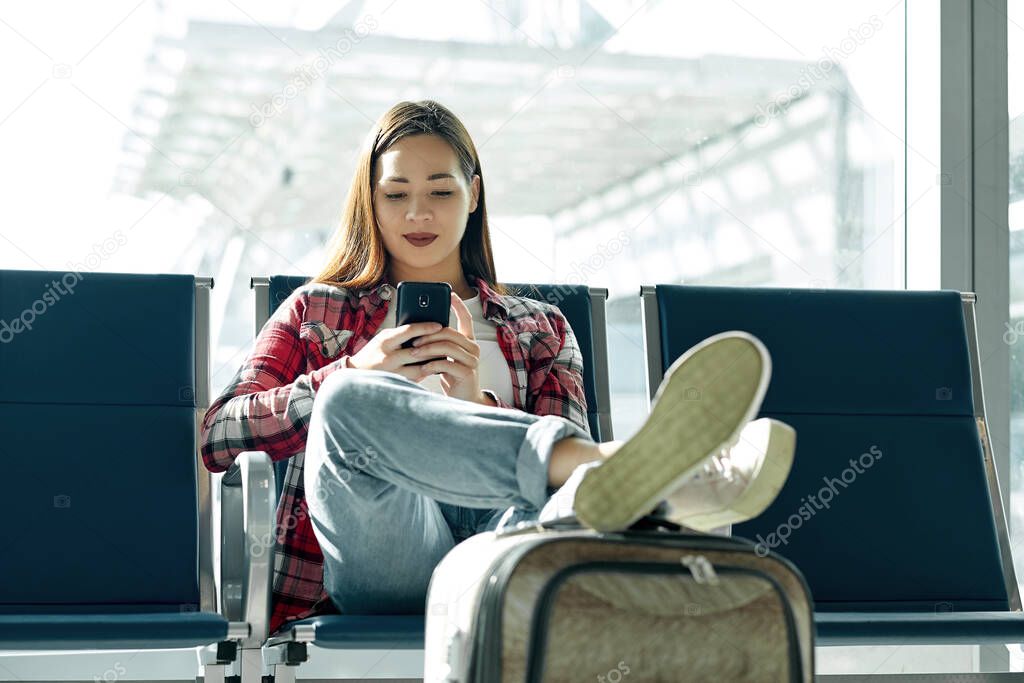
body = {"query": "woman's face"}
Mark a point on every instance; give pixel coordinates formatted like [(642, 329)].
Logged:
[(419, 191)]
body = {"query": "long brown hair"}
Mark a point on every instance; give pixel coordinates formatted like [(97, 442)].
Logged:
[(357, 257)]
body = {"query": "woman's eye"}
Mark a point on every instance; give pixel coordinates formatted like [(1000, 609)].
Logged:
[(394, 196), (444, 193)]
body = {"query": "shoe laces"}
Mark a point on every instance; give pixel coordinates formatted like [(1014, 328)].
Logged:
[(718, 466)]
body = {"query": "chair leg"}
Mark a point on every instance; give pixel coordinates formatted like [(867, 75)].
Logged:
[(285, 673), (212, 673), (251, 664), (215, 661), (284, 660)]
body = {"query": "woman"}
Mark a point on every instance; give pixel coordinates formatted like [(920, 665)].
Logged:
[(403, 461)]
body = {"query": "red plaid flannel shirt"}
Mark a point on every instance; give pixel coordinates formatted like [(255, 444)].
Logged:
[(267, 405)]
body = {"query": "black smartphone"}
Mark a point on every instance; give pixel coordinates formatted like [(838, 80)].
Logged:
[(422, 302)]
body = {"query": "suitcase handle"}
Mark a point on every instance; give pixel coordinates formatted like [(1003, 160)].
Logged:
[(646, 523)]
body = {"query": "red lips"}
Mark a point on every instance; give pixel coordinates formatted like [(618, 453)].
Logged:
[(420, 239)]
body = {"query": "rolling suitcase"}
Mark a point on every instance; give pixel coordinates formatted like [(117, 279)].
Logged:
[(551, 605)]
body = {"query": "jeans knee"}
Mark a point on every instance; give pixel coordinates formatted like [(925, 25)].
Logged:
[(347, 390)]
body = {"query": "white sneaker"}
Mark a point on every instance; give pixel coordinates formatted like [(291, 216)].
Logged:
[(705, 399), (739, 482)]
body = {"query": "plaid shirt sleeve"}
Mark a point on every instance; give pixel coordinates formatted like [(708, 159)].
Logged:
[(561, 378), (556, 374), (268, 404)]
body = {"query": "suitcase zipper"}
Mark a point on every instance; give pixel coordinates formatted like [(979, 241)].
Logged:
[(485, 664), (699, 568), (702, 570)]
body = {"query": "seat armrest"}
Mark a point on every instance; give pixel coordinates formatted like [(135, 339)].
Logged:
[(248, 542)]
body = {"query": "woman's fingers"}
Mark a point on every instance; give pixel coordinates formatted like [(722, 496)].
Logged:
[(463, 317), (448, 334), (454, 368), (411, 372), (445, 348), (403, 333)]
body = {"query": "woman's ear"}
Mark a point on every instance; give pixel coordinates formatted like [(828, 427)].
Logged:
[(474, 188)]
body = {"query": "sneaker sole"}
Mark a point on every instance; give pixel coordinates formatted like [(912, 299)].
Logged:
[(765, 486), (707, 396)]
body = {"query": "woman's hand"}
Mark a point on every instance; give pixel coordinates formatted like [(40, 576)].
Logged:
[(384, 351), (459, 376)]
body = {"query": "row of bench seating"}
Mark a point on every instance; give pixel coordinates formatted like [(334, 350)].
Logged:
[(111, 517)]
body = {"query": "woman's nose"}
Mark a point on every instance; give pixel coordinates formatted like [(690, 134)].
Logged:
[(418, 211)]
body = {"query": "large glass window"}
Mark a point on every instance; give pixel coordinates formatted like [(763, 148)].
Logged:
[(1015, 326), (774, 156), (623, 141)]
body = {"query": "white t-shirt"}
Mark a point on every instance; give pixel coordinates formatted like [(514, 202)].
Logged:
[(494, 371)]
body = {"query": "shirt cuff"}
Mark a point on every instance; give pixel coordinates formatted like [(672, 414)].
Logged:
[(317, 377), (498, 402)]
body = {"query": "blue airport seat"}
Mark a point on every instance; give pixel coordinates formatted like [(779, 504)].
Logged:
[(912, 547), (106, 504), (583, 307), (363, 631)]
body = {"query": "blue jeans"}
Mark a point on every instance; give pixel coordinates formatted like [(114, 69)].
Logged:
[(396, 475)]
